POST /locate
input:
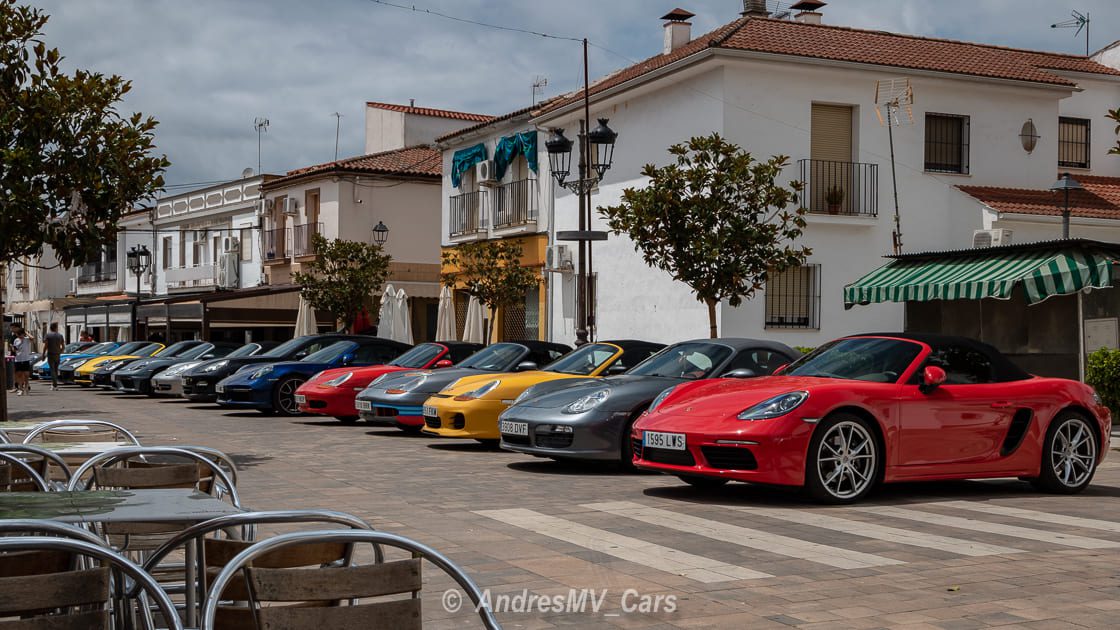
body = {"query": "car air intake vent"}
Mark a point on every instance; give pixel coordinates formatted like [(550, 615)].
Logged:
[(1016, 432), (729, 457), (519, 440), (432, 423), (668, 456)]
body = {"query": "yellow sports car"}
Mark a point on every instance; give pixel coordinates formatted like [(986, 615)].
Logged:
[(469, 407), (136, 350)]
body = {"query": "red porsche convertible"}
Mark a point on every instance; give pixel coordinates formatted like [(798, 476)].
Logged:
[(879, 408), (332, 392)]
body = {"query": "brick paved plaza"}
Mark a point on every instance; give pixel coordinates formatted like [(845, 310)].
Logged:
[(949, 555)]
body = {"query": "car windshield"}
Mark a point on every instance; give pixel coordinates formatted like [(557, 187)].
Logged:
[(179, 349), (684, 360), (101, 348), (583, 361), (287, 348), (331, 353), (419, 356), (131, 348), (146, 350), (246, 350), (73, 347), (860, 359), (499, 356), (198, 351)]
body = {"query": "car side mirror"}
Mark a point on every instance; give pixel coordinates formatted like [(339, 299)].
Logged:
[(443, 363), (299, 355), (616, 369), (741, 373), (932, 378), (207, 357), (347, 359), (525, 366)]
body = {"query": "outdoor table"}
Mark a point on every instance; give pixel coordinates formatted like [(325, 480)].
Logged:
[(175, 505), (23, 427), (80, 450)]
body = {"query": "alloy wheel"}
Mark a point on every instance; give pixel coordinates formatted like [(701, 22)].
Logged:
[(1073, 452), (846, 460), (287, 397)]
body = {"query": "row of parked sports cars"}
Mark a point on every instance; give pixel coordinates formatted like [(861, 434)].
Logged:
[(855, 412)]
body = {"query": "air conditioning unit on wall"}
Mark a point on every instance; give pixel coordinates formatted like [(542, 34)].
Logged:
[(485, 173), (558, 258), (231, 245), (291, 206), (991, 238)]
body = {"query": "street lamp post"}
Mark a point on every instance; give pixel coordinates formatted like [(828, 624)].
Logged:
[(596, 152), (1065, 184), (139, 259), (380, 233)]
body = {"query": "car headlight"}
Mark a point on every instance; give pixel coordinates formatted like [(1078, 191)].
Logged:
[(475, 394), (450, 387), (262, 372), (214, 367), (522, 396), (774, 407), (661, 398), (339, 380), (588, 402), (113, 367), (406, 384)]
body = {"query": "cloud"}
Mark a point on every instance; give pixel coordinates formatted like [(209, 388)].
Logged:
[(206, 68)]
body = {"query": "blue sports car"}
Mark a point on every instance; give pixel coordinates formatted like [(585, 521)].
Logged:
[(271, 387), (78, 349)]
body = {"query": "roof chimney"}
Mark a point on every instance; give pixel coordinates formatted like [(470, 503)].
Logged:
[(678, 30), (755, 8), (809, 11)]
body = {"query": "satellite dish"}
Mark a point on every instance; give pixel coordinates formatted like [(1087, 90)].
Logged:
[(246, 173)]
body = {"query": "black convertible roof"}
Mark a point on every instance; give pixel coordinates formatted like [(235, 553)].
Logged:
[(1002, 368), (738, 343)]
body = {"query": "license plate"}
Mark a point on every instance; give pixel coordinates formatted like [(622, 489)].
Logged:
[(513, 428), (220, 389), (430, 411), (671, 441), (301, 399), (363, 405)]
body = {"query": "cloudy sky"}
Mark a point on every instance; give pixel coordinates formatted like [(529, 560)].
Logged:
[(207, 68)]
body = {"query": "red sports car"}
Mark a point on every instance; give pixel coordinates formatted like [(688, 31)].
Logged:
[(879, 408), (332, 392)]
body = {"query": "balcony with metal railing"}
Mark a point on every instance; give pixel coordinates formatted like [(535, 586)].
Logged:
[(466, 214), (101, 271), (274, 244), (842, 188), (302, 242), (190, 277), (516, 203)]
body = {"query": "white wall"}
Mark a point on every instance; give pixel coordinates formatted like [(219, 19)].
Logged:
[(1092, 103), (387, 130)]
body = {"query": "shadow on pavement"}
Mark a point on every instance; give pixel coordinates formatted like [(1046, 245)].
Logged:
[(468, 447), (244, 461), (397, 433), (562, 467)]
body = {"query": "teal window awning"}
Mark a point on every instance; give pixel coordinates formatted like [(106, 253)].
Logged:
[(1043, 272), (464, 159), (509, 147)]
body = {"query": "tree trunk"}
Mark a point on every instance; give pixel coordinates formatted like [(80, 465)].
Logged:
[(713, 327)]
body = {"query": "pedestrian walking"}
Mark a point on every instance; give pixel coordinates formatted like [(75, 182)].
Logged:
[(54, 343), (21, 350)]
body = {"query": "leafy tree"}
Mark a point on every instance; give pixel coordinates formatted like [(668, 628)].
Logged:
[(1114, 114), (715, 220), (492, 272), (343, 276), (70, 164)]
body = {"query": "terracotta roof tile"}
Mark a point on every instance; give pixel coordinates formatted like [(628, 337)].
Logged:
[(822, 41), (428, 111), (418, 161), (1100, 198)]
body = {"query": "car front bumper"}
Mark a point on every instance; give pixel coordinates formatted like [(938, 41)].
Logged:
[(245, 397), (596, 435), (474, 419), (201, 388), (133, 383), (328, 401), (167, 386)]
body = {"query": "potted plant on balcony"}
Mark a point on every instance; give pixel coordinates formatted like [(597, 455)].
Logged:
[(834, 197)]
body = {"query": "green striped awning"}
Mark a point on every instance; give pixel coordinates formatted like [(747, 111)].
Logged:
[(993, 274)]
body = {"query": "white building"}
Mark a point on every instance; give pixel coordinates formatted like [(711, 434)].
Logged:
[(807, 90)]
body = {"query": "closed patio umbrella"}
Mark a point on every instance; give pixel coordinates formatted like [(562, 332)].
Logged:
[(473, 331), (445, 317), (402, 318), (305, 319), (385, 317)]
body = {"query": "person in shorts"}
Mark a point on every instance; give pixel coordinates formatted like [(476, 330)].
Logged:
[(54, 343), (21, 349)]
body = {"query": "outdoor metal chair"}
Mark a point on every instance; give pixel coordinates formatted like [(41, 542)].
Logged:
[(29, 479), (4, 439), (317, 593), (216, 552), (69, 431), (49, 462)]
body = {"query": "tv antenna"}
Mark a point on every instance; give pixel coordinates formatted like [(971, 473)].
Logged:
[(1079, 21), (539, 83), (337, 125), (896, 97), (261, 125)]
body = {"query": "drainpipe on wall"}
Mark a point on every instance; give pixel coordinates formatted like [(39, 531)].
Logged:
[(550, 291)]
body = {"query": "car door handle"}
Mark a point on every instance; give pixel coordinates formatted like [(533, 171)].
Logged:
[(1003, 404)]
